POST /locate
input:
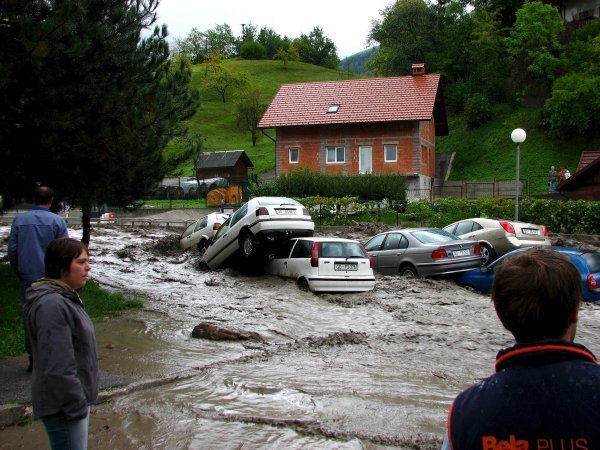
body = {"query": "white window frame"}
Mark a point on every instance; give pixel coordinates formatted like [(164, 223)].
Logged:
[(335, 149), (385, 155), (290, 159)]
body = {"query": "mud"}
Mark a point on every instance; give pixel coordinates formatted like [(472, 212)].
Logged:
[(376, 370)]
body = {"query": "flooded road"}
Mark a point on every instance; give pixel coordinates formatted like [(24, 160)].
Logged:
[(375, 370)]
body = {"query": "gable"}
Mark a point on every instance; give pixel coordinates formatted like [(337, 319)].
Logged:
[(370, 100)]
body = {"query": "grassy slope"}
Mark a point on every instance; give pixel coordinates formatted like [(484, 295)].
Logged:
[(486, 153), (216, 120)]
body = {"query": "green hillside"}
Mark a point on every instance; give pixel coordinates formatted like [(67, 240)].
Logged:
[(216, 120), (485, 154)]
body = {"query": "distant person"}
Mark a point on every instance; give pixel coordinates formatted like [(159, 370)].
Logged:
[(552, 175), (567, 173), (30, 234), (561, 175), (545, 392), (65, 374)]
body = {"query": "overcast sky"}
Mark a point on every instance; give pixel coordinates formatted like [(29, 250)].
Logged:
[(346, 22)]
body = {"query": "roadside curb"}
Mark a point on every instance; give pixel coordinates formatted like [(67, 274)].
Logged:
[(10, 414)]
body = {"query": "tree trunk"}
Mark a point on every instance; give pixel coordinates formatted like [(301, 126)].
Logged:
[(86, 225)]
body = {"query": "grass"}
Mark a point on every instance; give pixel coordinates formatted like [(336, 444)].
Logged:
[(99, 304), (215, 120), (174, 204)]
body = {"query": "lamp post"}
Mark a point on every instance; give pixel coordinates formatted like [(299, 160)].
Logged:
[(518, 136)]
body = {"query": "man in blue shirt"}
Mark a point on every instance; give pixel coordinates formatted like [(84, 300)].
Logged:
[(30, 234), (544, 394)]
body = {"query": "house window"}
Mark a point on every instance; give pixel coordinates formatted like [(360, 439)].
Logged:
[(336, 155), (390, 152), (294, 155)]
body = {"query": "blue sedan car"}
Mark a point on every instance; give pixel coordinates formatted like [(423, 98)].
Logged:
[(586, 261)]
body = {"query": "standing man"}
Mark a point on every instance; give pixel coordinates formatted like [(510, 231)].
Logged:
[(552, 179), (30, 234), (545, 392)]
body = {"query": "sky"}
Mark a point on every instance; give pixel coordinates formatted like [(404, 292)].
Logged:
[(346, 22)]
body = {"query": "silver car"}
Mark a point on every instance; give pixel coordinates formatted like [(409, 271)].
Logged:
[(424, 252), (257, 227), (199, 234), (498, 237), (324, 264)]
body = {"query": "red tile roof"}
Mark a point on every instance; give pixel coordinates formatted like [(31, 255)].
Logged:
[(362, 100), (587, 158)]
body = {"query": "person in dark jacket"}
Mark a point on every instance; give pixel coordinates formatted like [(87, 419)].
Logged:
[(545, 393), (65, 374), (30, 234)]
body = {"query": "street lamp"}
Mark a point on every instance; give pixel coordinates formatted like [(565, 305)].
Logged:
[(518, 136)]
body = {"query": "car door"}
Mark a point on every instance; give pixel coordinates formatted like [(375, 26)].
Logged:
[(392, 252), (373, 247), (299, 261), (280, 262)]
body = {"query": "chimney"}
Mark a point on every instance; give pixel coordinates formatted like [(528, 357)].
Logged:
[(418, 69)]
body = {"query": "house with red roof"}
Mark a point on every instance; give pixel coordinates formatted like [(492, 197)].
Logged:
[(371, 125), (584, 184)]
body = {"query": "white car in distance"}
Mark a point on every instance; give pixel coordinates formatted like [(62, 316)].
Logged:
[(323, 264), (198, 235)]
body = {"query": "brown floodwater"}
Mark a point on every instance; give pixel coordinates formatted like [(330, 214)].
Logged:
[(376, 370)]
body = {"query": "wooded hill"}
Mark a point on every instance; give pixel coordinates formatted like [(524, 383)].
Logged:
[(485, 153)]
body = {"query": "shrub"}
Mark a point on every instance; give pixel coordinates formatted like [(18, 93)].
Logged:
[(477, 110)]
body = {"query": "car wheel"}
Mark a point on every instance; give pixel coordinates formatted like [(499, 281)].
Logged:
[(408, 271), (248, 245), (303, 285), (202, 246), (488, 253)]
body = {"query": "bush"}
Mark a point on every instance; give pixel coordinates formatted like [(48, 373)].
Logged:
[(477, 110), (252, 50)]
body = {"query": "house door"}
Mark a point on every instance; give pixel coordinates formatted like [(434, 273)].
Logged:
[(365, 163)]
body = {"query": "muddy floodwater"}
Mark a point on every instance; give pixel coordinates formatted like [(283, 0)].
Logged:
[(375, 370)]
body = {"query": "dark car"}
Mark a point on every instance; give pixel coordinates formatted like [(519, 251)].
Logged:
[(422, 252), (586, 261)]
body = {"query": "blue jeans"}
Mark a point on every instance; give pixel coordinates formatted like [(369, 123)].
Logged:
[(67, 435)]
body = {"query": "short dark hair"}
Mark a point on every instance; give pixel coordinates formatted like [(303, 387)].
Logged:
[(43, 195), (60, 254), (536, 294)]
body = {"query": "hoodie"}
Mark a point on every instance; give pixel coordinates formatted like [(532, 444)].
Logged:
[(65, 370)]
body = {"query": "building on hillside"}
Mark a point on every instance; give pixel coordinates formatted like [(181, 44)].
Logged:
[(373, 125), (577, 12), (584, 184), (231, 164)]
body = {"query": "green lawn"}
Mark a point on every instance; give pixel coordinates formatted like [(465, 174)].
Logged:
[(99, 304)]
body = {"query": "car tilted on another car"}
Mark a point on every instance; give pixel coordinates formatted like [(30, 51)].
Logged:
[(422, 252), (498, 237), (586, 261), (258, 227), (324, 264), (198, 235)]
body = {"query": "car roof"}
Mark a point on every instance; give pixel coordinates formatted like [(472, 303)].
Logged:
[(325, 239)]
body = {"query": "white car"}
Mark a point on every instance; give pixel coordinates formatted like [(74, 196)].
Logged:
[(498, 237), (258, 227), (324, 264), (197, 236)]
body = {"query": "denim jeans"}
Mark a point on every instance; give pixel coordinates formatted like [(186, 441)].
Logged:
[(67, 435)]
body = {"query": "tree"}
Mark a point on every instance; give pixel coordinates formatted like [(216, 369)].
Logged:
[(87, 105), (252, 50), (272, 42), (317, 49), (199, 45), (224, 80), (405, 36), (287, 55), (534, 40), (250, 108)]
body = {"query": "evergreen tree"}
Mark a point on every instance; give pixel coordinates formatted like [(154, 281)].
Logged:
[(87, 104)]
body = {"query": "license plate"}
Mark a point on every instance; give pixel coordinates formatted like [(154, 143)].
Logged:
[(461, 252), (288, 212), (530, 231), (345, 266)]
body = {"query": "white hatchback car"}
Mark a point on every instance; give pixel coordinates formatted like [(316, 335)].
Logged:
[(324, 264), (258, 227), (198, 235)]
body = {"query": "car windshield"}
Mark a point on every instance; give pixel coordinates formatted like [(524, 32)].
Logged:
[(342, 250), (270, 201), (434, 236), (592, 259)]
